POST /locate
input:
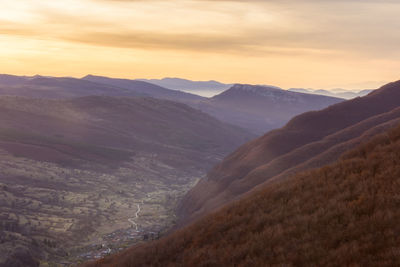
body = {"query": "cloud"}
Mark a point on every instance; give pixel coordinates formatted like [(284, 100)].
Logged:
[(258, 28)]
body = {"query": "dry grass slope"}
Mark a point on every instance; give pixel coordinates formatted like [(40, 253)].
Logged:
[(344, 214)]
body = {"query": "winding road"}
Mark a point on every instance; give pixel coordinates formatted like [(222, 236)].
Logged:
[(131, 220)]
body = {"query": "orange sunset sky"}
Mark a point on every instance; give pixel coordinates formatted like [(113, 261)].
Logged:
[(352, 44)]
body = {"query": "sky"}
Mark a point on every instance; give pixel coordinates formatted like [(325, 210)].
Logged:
[(351, 44)]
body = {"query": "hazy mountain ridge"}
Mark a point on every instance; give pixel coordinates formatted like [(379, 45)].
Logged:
[(204, 88), (64, 87), (268, 108), (341, 93), (211, 88), (6, 79), (145, 88), (261, 108)]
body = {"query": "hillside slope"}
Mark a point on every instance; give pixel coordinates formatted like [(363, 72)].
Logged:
[(9, 80), (67, 87), (75, 171), (54, 87), (145, 88), (308, 140), (344, 214), (124, 123)]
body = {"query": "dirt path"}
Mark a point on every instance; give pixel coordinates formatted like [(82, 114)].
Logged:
[(131, 220)]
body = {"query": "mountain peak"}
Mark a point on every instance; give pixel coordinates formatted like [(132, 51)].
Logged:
[(251, 90)]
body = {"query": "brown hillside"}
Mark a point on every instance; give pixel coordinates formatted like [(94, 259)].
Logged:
[(66, 87), (344, 214), (304, 139)]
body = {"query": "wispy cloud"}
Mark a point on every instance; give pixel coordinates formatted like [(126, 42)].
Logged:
[(260, 26)]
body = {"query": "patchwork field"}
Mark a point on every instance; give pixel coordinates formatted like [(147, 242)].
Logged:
[(67, 212)]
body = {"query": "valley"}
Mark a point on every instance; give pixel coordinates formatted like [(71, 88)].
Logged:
[(85, 177)]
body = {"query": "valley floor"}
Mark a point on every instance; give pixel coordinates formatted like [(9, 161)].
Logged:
[(69, 215)]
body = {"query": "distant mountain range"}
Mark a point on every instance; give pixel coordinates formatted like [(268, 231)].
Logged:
[(211, 88), (10, 80), (254, 108), (203, 88), (54, 87), (340, 93), (144, 88), (260, 108)]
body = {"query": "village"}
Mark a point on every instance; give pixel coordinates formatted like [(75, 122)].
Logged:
[(117, 241)]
